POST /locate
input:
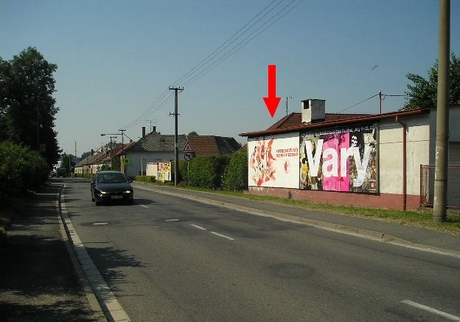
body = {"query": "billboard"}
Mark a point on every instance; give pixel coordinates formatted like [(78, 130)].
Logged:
[(339, 159), (273, 161)]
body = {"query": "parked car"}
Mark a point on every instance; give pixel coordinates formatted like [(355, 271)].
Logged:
[(111, 186)]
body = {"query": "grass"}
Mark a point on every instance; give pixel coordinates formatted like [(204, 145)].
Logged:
[(13, 207), (420, 218)]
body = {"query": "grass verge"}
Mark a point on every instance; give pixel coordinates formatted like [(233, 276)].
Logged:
[(420, 218)]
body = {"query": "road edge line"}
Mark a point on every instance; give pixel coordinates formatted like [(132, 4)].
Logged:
[(106, 300)]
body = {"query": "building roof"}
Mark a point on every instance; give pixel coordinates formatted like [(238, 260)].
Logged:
[(157, 142), (121, 149), (293, 121), (213, 145), (103, 155), (201, 144), (90, 159)]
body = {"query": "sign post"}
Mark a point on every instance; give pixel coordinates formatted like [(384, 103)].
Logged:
[(189, 153)]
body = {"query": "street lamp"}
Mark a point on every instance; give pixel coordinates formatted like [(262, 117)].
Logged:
[(122, 133)]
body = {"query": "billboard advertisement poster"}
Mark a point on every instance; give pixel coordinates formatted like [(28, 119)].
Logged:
[(339, 159), (273, 161), (164, 171)]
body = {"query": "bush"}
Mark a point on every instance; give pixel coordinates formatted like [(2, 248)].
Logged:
[(148, 179), (205, 172), (21, 169), (236, 176)]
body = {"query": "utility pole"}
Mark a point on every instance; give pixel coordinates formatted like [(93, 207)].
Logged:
[(442, 115), (122, 161), (176, 128)]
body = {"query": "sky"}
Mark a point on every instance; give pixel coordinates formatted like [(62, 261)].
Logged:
[(117, 60)]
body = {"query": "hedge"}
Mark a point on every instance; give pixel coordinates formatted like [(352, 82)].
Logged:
[(205, 171), (236, 176)]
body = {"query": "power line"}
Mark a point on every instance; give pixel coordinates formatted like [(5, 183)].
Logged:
[(254, 27), (231, 46), (381, 96), (245, 41), (223, 46), (360, 102)]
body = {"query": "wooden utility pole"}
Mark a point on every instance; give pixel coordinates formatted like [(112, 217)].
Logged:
[(176, 130)]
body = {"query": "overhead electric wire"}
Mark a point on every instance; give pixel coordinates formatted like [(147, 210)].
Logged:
[(249, 31), (244, 42), (227, 43), (383, 96), (358, 103)]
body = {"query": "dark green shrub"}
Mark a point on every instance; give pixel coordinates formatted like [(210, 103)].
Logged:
[(21, 169), (148, 179), (236, 176), (205, 171)]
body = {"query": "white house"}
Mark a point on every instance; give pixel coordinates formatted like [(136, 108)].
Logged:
[(362, 160)]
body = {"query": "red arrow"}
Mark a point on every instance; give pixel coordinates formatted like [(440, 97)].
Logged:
[(272, 101)]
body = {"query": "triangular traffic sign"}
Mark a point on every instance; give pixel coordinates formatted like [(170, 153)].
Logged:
[(187, 147)]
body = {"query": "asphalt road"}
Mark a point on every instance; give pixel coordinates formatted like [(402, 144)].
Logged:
[(171, 259)]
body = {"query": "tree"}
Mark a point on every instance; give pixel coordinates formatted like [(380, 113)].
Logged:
[(423, 92), (27, 107), (21, 169)]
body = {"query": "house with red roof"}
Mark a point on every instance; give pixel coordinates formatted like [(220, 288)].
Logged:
[(365, 160), (157, 148)]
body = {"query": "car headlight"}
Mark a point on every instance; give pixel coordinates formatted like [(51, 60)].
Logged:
[(104, 193), (128, 191)]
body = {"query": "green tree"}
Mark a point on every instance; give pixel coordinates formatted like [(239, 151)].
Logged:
[(423, 92), (21, 169), (27, 107)]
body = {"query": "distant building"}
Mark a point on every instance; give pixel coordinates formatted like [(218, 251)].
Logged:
[(155, 147)]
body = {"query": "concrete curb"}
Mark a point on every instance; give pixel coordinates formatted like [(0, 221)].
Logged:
[(348, 230), (101, 298)]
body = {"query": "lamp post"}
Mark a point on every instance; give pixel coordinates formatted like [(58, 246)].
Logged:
[(111, 151), (122, 133)]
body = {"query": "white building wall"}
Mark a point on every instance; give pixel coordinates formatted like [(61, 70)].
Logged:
[(390, 158), (454, 135), (391, 154)]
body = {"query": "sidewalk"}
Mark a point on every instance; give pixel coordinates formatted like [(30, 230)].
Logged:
[(403, 235), (37, 277)]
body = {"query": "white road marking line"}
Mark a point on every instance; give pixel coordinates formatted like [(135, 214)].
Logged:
[(199, 227), (143, 205), (431, 310), (100, 223), (220, 235), (212, 232)]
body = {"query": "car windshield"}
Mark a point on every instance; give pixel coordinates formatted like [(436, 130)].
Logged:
[(111, 178)]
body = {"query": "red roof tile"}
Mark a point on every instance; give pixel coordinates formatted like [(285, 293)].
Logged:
[(293, 122)]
